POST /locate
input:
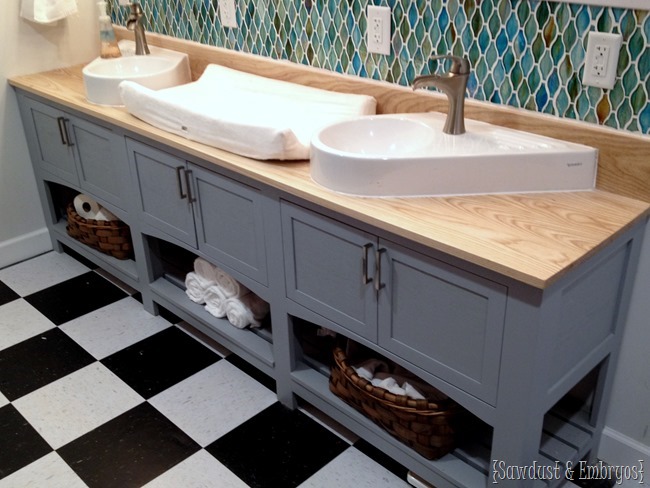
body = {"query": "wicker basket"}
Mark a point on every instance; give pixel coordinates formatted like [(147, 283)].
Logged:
[(424, 426), (109, 237)]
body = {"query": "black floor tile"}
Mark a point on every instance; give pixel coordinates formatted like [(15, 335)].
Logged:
[(20, 444), (160, 361), (7, 294), (277, 447), (75, 297), (128, 451), (38, 361)]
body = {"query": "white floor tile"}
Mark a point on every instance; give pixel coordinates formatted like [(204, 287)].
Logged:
[(3, 400), (213, 401), (352, 469), (76, 404), (20, 321), (113, 327), (198, 471), (41, 272), (49, 471)]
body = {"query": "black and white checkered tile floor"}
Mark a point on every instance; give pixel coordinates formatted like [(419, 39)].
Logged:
[(96, 392)]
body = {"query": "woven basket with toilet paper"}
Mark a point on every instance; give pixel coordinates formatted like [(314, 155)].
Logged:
[(427, 425), (98, 228)]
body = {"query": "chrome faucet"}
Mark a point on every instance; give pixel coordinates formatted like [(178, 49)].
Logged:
[(453, 84), (134, 23)]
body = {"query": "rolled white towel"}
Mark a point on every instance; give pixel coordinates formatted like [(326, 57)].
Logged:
[(230, 286), (205, 269), (195, 287), (368, 368), (246, 310), (215, 301), (411, 392), (389, 384)]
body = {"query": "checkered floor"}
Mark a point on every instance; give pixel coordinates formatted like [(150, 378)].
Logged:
[(96, 392)]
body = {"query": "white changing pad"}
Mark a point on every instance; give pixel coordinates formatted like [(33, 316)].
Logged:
[(243, 113)]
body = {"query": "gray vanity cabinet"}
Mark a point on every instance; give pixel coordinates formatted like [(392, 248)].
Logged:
[(163, 199), (219, 216), (329, 268), (84, 154), (441, 319)]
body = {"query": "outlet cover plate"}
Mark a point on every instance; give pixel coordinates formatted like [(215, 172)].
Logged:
[(228, 13), (378, 34), (601, 59)]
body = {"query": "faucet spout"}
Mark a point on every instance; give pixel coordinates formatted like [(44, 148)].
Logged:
[(134, 23), (453, 84)]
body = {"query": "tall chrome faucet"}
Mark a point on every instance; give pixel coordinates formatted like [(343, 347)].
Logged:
[(453, 83), (134, 23)]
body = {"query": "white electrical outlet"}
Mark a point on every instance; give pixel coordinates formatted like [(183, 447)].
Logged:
[(378, 34), (228, 13), (601, 59)]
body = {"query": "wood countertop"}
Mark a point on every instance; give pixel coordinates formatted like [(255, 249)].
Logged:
[(532, 238)]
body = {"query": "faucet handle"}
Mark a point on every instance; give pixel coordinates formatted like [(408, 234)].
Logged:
[(459, 66)]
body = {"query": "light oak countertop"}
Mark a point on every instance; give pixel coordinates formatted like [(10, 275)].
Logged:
[(532, 238)]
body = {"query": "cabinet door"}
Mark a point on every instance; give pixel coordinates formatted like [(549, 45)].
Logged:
[(47, 131), (162, 196), (445, 320), (103, 166), (230, 222), (325, 271)]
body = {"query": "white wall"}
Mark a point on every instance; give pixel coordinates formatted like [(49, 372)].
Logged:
[(26, 47)]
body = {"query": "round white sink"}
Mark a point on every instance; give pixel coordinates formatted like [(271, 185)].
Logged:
[(161, 69), (375, 136), (131, 67)]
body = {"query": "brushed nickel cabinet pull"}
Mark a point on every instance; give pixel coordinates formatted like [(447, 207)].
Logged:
[(378, 284), (188, 186), (63, 131), (364, 264), (179, 169)]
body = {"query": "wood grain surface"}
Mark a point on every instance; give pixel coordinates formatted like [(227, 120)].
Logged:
[(533, 238)]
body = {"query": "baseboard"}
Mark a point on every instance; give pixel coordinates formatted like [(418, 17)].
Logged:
[(24, 247), (617, 449)]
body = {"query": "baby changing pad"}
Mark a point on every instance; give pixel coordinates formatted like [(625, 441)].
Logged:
[(245, 114)]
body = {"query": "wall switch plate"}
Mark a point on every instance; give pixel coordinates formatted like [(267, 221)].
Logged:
[(228, 13), (378, 34), (601, 59)]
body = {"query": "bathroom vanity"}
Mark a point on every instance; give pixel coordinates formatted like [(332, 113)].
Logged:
[(503, 302)]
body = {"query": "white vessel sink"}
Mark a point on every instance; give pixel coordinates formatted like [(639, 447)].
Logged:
[(409, 155), (160, 69)]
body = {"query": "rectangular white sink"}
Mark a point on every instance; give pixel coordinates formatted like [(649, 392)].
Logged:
[(243, 113), (409, 155)]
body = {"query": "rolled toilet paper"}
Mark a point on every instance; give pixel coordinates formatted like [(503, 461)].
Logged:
[(86, 207)]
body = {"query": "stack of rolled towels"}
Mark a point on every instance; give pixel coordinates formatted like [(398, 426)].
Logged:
[(224, 296)]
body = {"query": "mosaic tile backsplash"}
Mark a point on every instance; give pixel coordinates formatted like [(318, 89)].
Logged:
[(524, 53)]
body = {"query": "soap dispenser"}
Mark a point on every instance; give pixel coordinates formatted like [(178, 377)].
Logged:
[(108, 43)]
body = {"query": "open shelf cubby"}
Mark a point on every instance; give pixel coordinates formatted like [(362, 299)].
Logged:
[(254, 345)]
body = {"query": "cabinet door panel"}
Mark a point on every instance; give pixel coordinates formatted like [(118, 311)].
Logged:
[(442, 319), (43, 126), (230, 223), (324, 272), (157, 174), (103, 169)]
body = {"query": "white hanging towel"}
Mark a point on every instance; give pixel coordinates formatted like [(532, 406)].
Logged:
[(47, 11)]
